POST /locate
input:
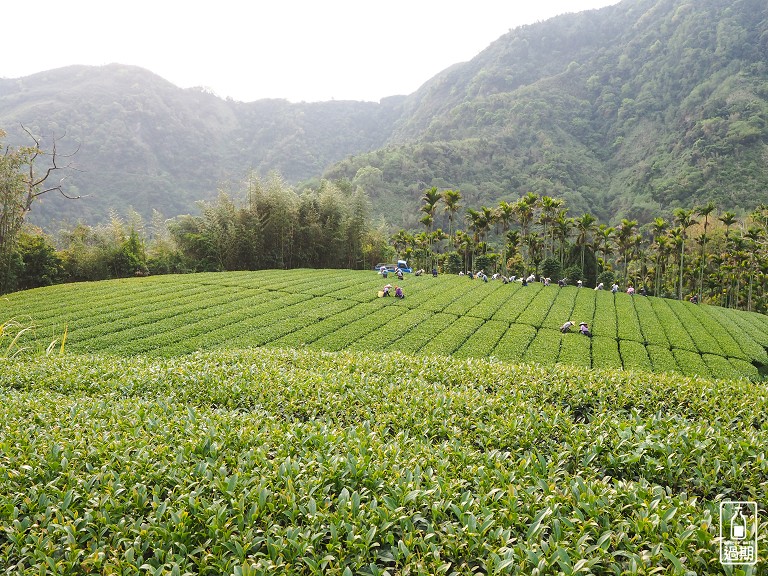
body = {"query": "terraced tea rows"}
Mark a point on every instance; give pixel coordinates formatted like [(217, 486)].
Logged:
[(143, 456), (335, 310), (306, 462)]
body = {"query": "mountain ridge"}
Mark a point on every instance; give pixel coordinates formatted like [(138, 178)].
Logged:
[(144, 143), (625, 111)]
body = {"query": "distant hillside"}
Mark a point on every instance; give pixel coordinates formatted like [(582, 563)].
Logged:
[(146, 143), (624, 111)]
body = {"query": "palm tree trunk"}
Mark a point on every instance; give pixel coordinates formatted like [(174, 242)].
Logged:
[(701, 271), (682, 248)]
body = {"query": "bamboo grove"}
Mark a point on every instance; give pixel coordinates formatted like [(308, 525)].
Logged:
[(718, 256), (265, 225), (715, 255)]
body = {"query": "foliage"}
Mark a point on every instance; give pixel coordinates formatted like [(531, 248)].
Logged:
[(41, 265), (452, 263), (608, 126), (551, 268), (607, 277), (605, 353), (281, 461), (276, 460), (646, 114), (149, 145), (22, 183), (621, 111), (277, 228), (487, 262), (109, 251)]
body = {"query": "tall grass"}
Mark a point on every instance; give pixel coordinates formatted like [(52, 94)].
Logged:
[(18, 337)]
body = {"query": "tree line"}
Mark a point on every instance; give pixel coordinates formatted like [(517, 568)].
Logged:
[(267, 224), (719, 257)]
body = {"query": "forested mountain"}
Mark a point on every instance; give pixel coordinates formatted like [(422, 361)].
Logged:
[(623, 111), (144, 143)]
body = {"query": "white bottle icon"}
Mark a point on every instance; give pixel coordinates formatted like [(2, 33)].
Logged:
[(738, 525)]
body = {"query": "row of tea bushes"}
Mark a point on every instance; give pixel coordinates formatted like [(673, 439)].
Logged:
[(281, 462)]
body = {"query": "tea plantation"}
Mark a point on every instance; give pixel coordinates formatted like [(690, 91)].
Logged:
[(294, 423), (448, 315)]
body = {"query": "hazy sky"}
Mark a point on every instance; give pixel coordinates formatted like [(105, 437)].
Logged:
[(302, 50)]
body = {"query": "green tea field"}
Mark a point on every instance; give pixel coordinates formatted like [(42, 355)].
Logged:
[(449, 315), (292, 422)]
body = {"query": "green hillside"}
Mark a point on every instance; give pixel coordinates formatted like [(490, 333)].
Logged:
[(127, 452), (625, 111), (143, 143), (339, 309), (306, 462)]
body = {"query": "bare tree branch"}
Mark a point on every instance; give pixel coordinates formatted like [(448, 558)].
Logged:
[(33, 183)]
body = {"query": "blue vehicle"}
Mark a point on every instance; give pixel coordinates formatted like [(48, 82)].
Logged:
[(403, 265)]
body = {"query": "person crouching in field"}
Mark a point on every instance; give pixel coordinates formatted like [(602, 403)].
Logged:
[(566, 327), (399, 292), (584, 329)]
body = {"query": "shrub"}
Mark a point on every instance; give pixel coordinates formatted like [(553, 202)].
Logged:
[(573, 274), (545, 347), (584, 307), (450, 339), (453, 263), (607, 277), (691, 363), (388, 332), (662, 359), (538, 309), (487, 262), (483, 341), (575, 350), (750, 340), (627, 324), (491, 302), (561, 309), (744, 368), (719, 331), (414, 340), (173, 315), (519, 300), (514, 342), (676, 334), (605, 315), (650, 326), (704, 341), (232, 462), (551, 268), (634, 356), (719, 367), (605, 353)]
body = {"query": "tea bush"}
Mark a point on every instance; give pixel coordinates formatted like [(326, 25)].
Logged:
[(337, 309), (274, 461)]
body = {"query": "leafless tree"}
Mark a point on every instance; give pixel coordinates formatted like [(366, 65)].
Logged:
[(21, 183)]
